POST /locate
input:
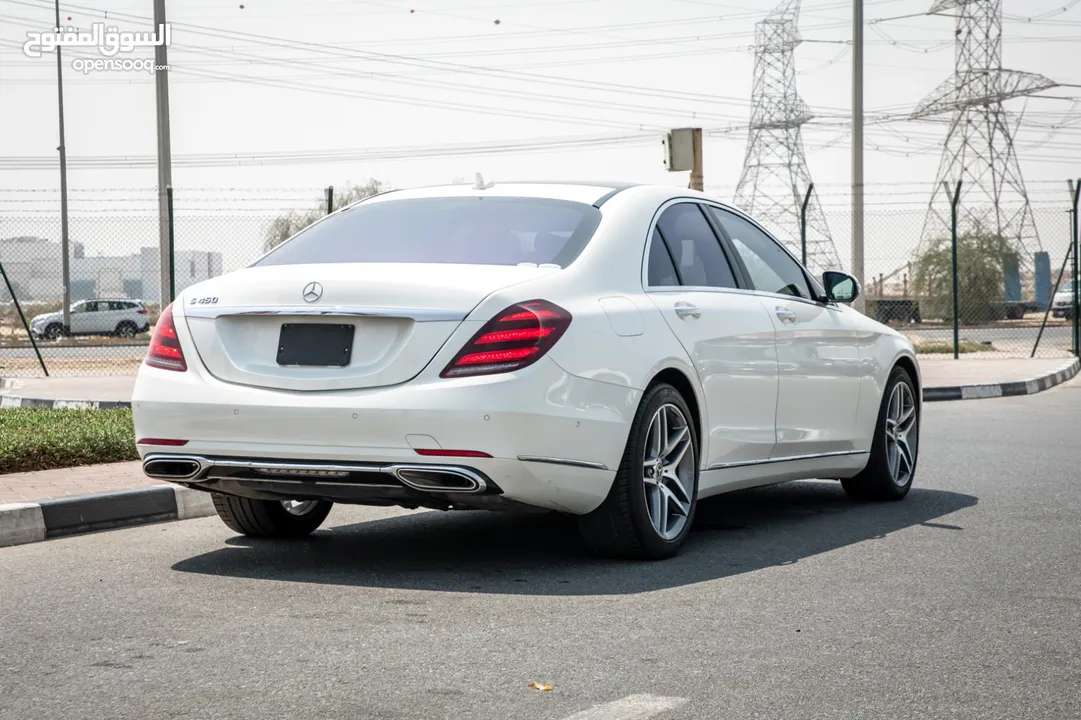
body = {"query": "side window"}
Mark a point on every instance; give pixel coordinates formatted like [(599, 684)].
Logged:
[(660, 271), (91, 306), (770, 267), (697, 252)]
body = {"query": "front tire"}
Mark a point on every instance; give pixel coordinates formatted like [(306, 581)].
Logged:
[(895, 449), (271, 518), (650, 508)]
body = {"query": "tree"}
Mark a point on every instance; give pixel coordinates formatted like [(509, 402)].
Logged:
[(286, 226), (982, 259)]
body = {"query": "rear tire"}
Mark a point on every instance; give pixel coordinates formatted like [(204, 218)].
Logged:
[(270, 518), (895, 449), (126, 330), (650, 508)]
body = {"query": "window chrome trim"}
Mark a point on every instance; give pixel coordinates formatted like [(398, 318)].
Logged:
[(769, 461), (660, 289), (646, 287), (212, 312), (808, 277)]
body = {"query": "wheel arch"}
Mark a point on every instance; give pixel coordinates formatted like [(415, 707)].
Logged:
[(913, 369), (679, 379)]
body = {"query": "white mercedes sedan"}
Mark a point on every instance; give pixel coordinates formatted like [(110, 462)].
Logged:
[(610, 351)]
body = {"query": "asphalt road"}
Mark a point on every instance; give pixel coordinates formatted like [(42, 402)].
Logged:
[(963, 601)]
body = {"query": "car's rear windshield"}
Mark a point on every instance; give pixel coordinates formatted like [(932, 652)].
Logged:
[(469, 230)]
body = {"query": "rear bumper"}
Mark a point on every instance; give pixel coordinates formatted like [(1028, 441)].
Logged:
[(554, 439)]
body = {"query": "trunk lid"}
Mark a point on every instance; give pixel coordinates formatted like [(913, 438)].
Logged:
[(401, 314)]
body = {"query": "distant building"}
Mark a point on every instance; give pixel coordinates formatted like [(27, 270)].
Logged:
[(34, 266)]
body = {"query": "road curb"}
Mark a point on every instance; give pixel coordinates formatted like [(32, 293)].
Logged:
[(1007, 389), (22, 523), (15, 401)]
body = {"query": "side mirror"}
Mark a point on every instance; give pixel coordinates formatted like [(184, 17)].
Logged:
[(840, 287)]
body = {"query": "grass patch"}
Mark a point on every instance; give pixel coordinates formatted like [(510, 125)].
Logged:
[(965, 346), (43, 439)]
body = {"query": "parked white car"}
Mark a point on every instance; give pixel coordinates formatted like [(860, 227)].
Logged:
[(608, 351), (1062, 303), (122, 317)]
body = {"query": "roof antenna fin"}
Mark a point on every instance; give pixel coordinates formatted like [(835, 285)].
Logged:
[(480, 184)]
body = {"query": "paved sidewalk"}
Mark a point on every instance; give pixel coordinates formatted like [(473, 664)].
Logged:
[(939, 371), (69, 482), (112, 388)]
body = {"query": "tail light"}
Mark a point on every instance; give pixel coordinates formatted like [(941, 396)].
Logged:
[(143, 311), (165, 352), (513, 339)]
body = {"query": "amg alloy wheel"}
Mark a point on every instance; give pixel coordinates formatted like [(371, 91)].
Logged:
[(668, 470), (649, 510)]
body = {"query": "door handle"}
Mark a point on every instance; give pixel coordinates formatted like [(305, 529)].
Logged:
[(786, 315), (686, 310)]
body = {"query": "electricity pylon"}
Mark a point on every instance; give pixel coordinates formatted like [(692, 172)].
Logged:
[(979, 149), (775, 178)]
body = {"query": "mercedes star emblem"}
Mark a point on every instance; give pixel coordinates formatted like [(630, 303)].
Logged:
[(312, 292)]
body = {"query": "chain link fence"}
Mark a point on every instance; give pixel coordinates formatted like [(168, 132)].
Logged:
[(1013, 299)]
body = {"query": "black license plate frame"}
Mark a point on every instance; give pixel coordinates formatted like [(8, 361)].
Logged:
[(315, 344)]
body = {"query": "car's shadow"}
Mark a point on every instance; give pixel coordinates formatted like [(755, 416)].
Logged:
[(480, 552)]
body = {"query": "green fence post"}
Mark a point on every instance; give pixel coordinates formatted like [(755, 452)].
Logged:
[(803, 223), (172, 246), (330, 199), (1075, 189), (26, 325), (954, 199)]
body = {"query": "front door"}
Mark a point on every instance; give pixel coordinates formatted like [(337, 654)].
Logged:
[(818, 354), (727, 334)]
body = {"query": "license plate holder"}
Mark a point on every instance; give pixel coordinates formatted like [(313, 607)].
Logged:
[(315, 344)]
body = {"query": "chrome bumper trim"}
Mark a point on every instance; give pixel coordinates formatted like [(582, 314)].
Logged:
[(768, 461), (563, 461), (296, 472)]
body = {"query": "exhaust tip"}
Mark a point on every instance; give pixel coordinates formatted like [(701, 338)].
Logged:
[(440, 480), (172, 468)]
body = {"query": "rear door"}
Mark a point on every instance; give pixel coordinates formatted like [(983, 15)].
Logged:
[(727, 334), (818, 353)]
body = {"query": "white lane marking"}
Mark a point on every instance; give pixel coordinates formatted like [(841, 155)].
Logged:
[(632, 707)]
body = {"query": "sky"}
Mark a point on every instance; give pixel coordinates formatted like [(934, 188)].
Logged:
[(272, 100)]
